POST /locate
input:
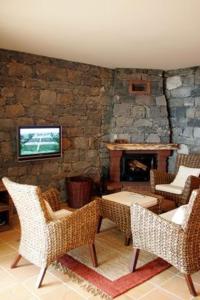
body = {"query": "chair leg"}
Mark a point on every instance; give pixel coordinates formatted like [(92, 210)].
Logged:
[(41, 277), (134, 259), (15, 262), (190, 285), (93, 254), (127, 241)]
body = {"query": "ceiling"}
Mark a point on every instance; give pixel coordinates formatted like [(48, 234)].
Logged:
[(163, 34)]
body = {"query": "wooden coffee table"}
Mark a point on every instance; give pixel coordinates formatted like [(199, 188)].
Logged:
[(116, 207)]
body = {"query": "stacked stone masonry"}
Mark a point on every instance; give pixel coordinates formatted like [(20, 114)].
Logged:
[(183, 98), (94, 106), (140, 118), (45, 91)]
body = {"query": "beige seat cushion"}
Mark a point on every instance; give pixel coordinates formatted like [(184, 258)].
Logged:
[(129, 198), (55, 215), (169, 188), (183, 174), (176, 215), (61, 213)]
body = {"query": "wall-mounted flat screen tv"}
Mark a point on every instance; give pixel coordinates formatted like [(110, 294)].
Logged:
[(38, 142)]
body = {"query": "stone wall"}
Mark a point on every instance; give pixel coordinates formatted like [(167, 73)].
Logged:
[(94, 106), (139, 118), (183, 97), (40, 90)]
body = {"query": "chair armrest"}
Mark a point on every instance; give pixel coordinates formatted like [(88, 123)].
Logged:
[(191, 184), (75, 230), (52, 197), (153, 233), (160, 177)]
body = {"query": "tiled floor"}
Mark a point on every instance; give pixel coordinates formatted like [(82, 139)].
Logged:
[(19, 283)]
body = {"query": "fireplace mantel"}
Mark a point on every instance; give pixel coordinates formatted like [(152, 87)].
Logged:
[(115, 146), (162, 151)]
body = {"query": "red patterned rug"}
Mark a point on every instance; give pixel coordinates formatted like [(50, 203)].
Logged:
[(118, 286), (112, 276)]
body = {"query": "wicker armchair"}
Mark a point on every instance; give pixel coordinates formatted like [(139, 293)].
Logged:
[(44, 239), (177, 244), (158, 177)]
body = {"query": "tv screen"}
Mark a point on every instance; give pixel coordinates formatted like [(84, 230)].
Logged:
[(39, 142)]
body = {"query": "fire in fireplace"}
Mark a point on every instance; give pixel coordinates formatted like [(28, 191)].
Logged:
[(136, 167)]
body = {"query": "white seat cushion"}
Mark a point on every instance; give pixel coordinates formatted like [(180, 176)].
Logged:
[(169, 188), (176, 215), (55, 215), (183, 174)]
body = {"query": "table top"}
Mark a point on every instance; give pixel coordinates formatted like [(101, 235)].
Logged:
[(129, 198)]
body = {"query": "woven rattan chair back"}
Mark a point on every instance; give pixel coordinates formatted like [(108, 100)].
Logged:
[(187, 160), (29, 205)]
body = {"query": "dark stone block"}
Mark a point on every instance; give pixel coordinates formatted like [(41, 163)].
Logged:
[(196, 92), (194, 123)]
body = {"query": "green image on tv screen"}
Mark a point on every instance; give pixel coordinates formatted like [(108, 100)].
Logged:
[(36, 141)]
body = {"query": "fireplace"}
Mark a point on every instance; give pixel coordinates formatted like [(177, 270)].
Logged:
[(156, 155), (137, 166)]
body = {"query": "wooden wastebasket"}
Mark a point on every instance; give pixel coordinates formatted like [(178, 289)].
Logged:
[(79, 191)]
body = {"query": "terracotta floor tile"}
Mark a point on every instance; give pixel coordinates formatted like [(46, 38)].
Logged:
[(5, 249), (159, 294), (64, 294), (50, 283), (5, 279), (9, 235), (70, 283), (17, 292), (162, 277), (123, 297), (23, 271), (140, 290), (177, 285)]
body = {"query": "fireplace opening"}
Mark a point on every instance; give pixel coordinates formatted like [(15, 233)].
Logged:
[(136, 167)]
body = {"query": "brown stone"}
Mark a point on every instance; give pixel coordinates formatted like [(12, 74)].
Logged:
[(6, 124), (13, 111), (47, 97), (39, 111), (19, 69), (80, 166), (6, 149), (81, 143), (71, 156), (17, 171), (8, 92), (73, 76), (68, 120), (66, 144), (50, 72), (74, 131), (50, 167), (2, 101), (27, 96), (65, 98), (24, 121), (4, 136)]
